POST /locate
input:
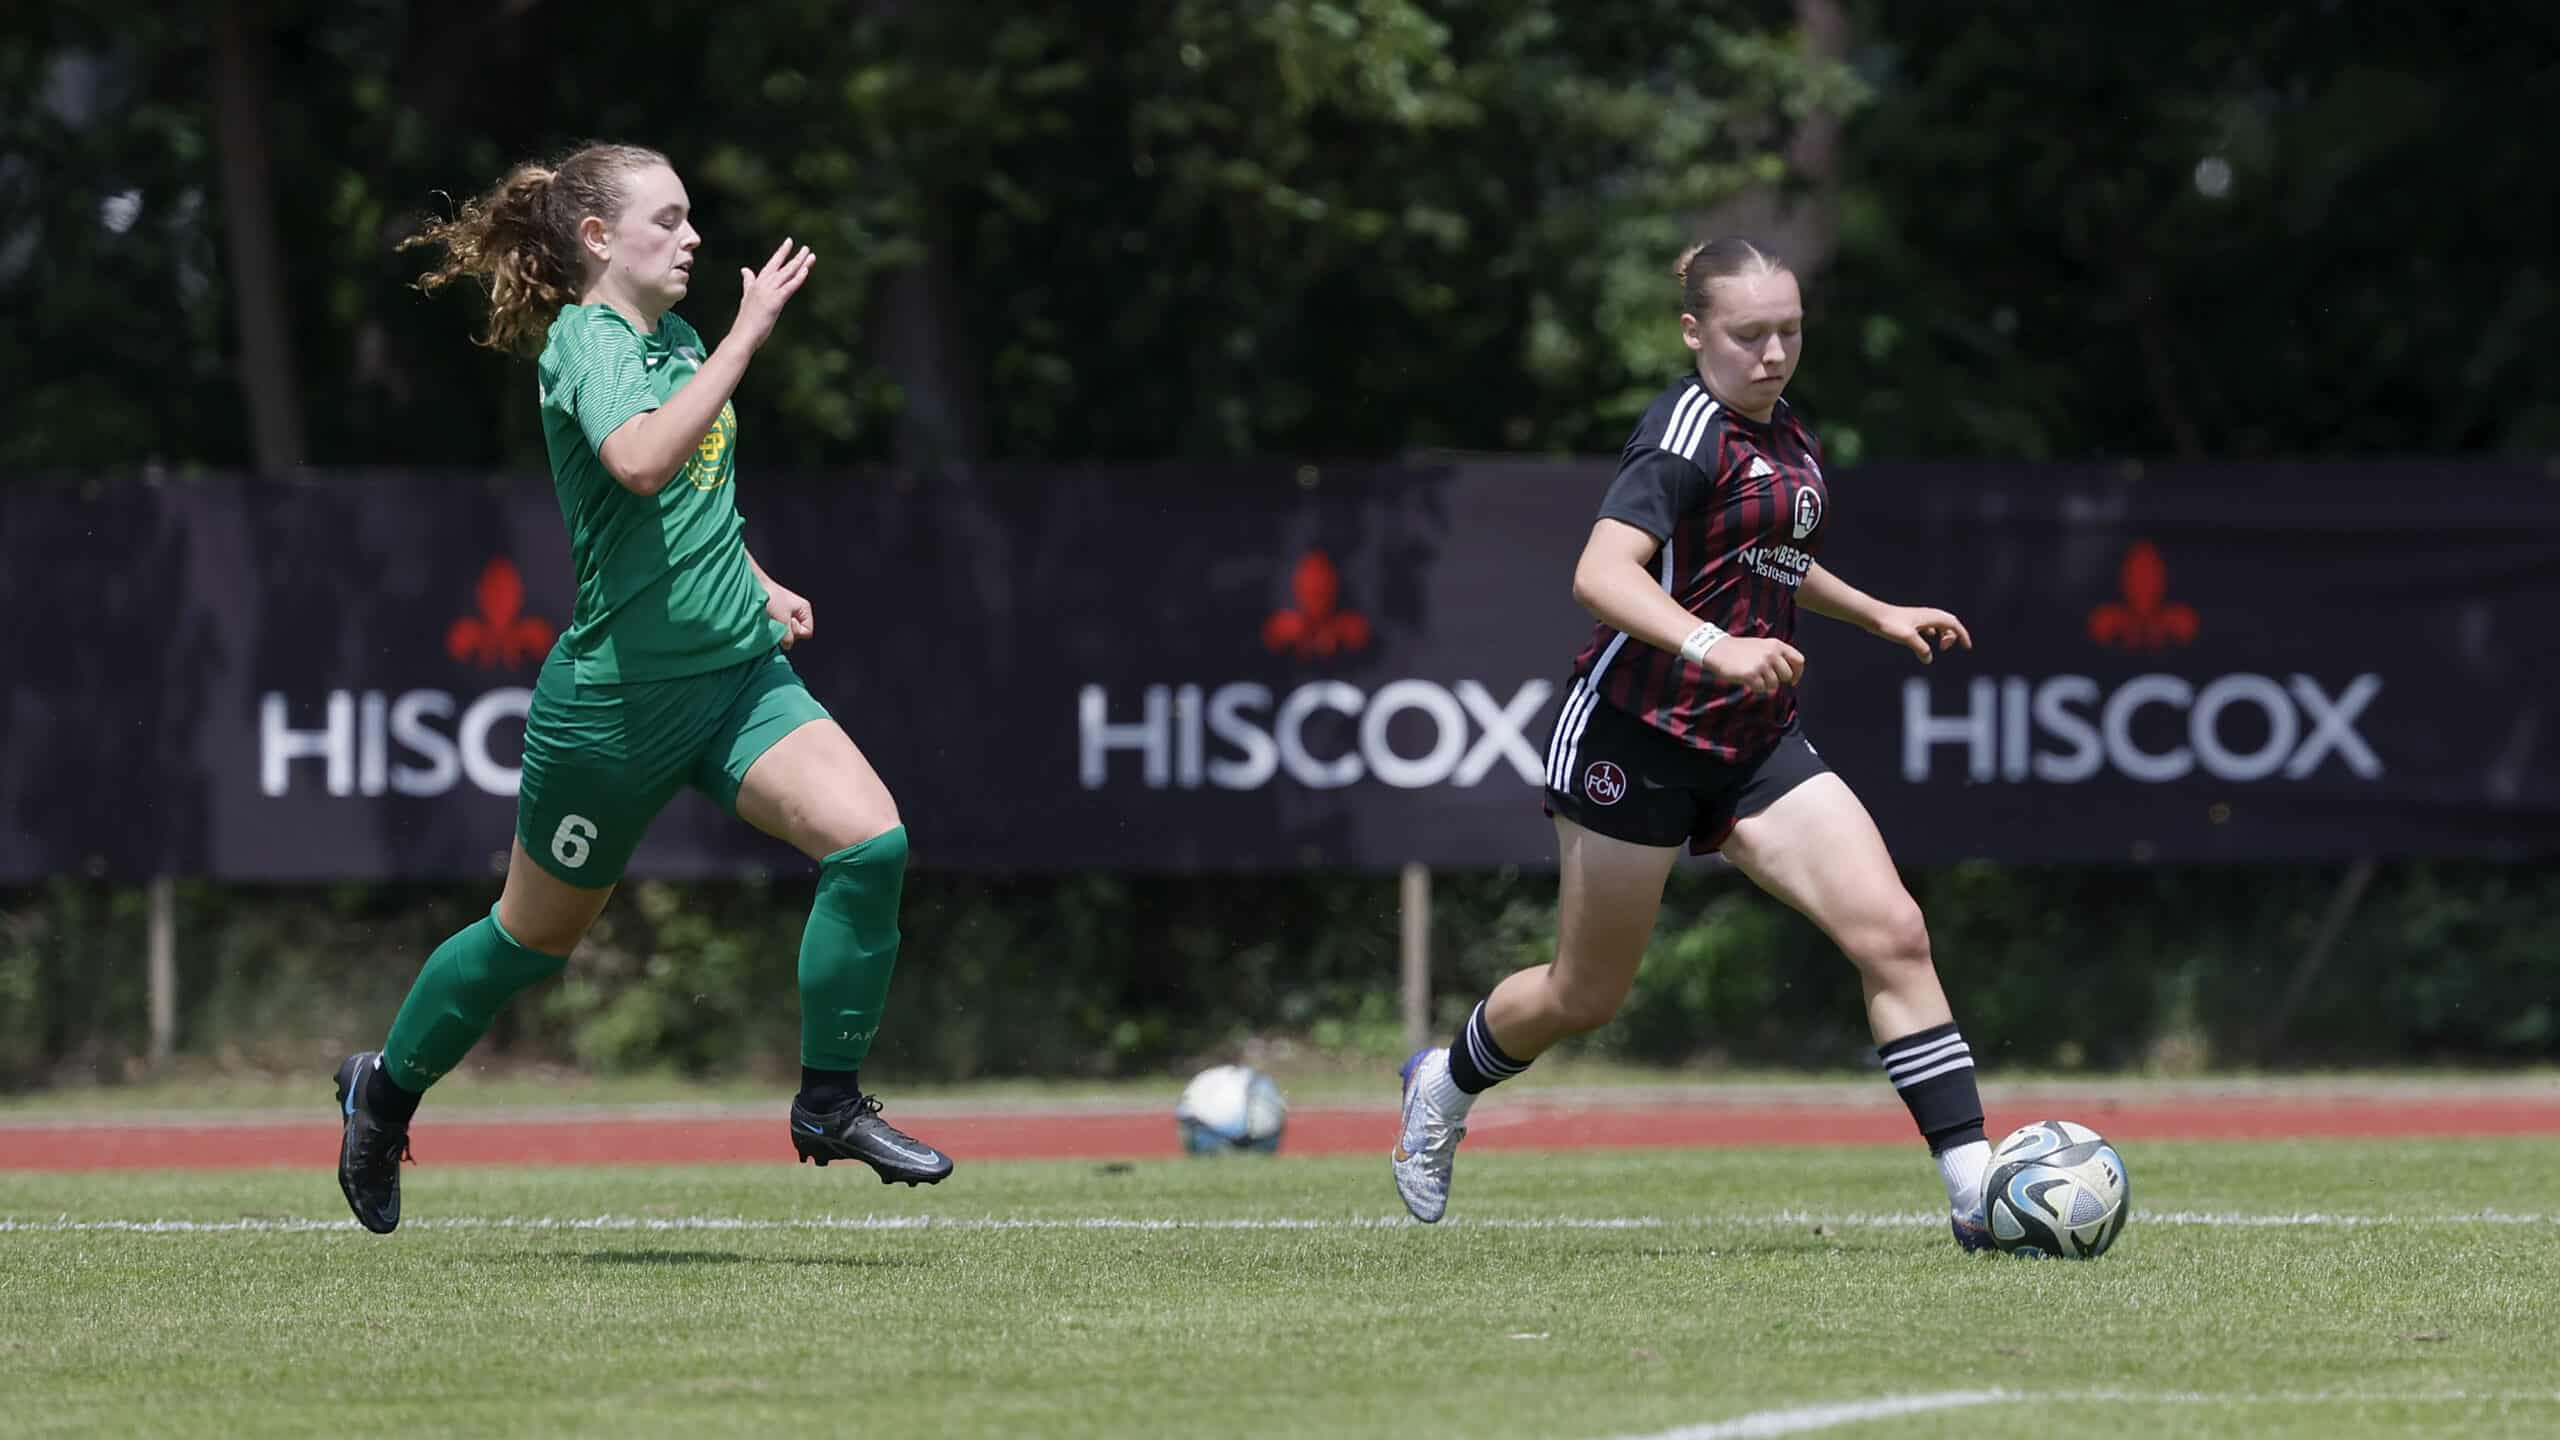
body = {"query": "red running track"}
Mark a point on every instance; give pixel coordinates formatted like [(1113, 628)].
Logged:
[(619, 1138)]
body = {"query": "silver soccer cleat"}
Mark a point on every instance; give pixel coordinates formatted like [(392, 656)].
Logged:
[(1427, 1142)]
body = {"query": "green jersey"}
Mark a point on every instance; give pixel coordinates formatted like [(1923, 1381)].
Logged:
[(663, 584)]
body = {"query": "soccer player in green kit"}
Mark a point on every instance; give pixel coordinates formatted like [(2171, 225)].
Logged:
[(671, 672)]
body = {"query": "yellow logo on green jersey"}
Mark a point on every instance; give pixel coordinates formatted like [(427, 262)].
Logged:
[(704, 470)]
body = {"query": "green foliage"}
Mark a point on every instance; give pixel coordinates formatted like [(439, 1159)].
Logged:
[(1718, 980), (72, 975), (2488, 984), (111, 265), (2050, 970), (1188, 227), (667, 983), (2080, 230), (1207, 228)]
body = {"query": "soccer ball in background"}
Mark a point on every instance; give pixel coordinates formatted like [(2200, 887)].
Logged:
[(1228, 1108), (2056, 1188)]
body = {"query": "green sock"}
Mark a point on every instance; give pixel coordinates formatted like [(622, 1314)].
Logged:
[(849, 949), (465, 983)]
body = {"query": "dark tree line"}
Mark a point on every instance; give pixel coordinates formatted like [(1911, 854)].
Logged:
[(1209, 228)]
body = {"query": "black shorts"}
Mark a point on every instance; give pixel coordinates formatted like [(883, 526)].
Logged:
[(1613, 774)]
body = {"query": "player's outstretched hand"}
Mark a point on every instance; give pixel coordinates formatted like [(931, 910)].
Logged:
[(764, 292), (1759, 666), (1923, 631)]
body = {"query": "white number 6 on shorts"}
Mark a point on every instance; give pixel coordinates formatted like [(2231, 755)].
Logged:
[(569, 842)]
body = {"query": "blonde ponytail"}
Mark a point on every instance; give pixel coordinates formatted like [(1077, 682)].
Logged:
[(520, 240)]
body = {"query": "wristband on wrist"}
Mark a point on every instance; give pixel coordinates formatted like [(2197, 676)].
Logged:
[(1700, 641)]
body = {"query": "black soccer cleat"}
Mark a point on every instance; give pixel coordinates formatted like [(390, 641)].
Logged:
[(369, 1151), (855, 1131)]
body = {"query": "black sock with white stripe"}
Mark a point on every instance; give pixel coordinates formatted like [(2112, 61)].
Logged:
[(1475, 1062), (1932, 1070)]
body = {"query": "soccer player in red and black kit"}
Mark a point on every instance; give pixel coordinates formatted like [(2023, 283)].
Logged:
[(1681, 729)]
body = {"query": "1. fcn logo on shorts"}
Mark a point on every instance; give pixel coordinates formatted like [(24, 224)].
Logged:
[(1604, 783)]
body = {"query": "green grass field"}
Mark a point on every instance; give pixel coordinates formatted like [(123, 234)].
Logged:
[(2314, 1289)]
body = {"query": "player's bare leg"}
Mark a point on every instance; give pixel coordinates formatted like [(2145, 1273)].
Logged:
[(1608, 893), (1817, 849), (815, 789), (1607, 896), (543, 911)]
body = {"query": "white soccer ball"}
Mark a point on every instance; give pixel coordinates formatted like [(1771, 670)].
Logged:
[(2056, 1189), (1230, 1107)]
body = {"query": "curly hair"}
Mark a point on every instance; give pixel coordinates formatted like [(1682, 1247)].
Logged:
[(520, 240)]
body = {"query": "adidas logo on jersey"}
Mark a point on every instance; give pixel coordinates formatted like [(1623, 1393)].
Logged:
[(1760, 467)]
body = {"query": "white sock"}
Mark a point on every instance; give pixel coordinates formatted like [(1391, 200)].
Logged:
[(1962, 1166), (1439, 1088)]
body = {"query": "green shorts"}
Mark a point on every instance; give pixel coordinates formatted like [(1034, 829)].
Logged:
[(600, 761)]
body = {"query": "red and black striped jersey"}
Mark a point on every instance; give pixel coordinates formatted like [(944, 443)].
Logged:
[(1739, 506)]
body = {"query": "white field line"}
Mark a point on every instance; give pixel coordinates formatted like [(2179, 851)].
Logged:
[(645, 1223), (2298, 1397), (1801, 1419), (1805, 1419), (1782, 1220)]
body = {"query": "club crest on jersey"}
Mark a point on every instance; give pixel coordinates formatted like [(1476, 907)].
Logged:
[(703, 470), (1808, 511), (1605, 783)]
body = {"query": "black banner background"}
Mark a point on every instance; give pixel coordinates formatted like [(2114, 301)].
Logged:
[(962, 626)]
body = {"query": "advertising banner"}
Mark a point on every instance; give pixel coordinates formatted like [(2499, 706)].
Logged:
[(1257, 668)]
